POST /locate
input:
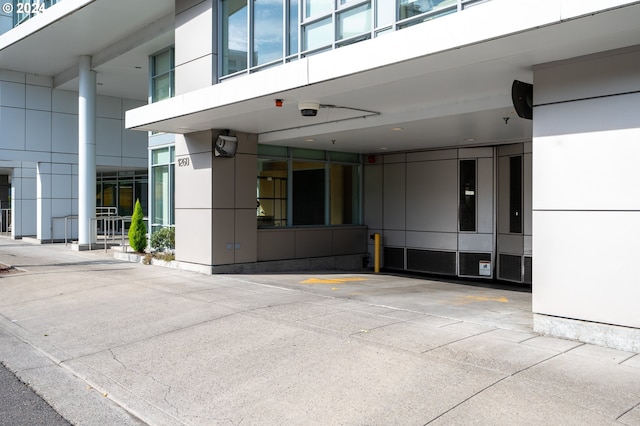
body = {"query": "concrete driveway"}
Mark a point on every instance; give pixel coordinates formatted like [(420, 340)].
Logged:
[(110, 342)]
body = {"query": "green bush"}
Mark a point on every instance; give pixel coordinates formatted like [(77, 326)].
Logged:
[(138, 230), (163, 239)]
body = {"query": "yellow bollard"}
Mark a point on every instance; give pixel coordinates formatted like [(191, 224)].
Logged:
[(376, 253)]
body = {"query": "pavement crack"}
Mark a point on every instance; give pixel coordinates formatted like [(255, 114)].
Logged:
[(627, 411), (515, 373), (115, 358)]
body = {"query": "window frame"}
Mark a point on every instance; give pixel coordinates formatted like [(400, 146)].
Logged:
[(154, 75)]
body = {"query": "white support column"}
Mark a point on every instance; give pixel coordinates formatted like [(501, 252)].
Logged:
[(86, 151)]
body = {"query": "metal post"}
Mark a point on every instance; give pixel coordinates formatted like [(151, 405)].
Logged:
[(376, 252)]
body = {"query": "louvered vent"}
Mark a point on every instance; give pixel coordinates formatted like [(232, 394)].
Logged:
[(510, 267), (437, 262), (470, 263), (528, 270), (393, 258)]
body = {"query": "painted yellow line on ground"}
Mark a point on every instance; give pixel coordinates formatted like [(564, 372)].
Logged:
[(501, 299), (331, 280)]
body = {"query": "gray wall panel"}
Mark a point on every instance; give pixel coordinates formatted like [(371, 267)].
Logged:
[(432, 240), (393, 238), (484, 200), (432, 196), (475, 242), (394, 196), (373, 196)]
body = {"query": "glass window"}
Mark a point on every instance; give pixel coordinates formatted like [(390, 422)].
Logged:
[(160, 156), (385, 13), (272, 192), (309, 186), (318, 7), (308, 193), (293, 27), (317, 35), (163, 187), (515, 194), (162, 78), (268, 31), (308, 154), (345, 194), (354, 21), (234, 36), (467, 195)]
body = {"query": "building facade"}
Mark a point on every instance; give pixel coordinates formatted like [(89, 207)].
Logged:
[(282, 135)]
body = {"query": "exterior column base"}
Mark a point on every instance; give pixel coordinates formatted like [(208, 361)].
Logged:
[(607, 335)]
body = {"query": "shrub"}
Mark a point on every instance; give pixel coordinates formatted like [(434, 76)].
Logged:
[(163, 239), (138, 230)]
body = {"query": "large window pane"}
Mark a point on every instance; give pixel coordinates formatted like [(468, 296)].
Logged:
[(318, 34), (385, 13), (162, 63), (234, 36), (162, 87), (268, 31), (318, 7), (293, 27), (162, 76), (272, 192), (354, 22), (160, 156), (308, 193), (161, 195), (345, 192)]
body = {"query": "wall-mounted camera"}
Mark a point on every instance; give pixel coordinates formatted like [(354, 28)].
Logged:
[(309, 109), (225, 146)]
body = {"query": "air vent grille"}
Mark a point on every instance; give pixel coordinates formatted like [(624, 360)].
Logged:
[(393, 258), (437, 262), (511, 267), (470, 263)]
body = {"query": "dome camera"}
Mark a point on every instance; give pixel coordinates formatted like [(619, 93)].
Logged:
[(309, 109)]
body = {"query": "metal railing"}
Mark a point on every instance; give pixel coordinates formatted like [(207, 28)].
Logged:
[(112, 230), (5, 221)]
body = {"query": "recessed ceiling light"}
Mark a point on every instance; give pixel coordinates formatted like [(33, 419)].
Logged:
[(309, 140), (396, 129), (469, 139), (383, 148)]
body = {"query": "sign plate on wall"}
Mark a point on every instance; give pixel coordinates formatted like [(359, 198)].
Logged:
[(485, 268)]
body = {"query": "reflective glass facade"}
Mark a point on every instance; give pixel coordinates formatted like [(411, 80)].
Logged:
[(263, 33)]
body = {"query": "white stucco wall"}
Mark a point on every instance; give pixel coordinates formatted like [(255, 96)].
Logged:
[(586, 209)]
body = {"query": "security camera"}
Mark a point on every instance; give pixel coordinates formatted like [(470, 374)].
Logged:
[(309, 109)]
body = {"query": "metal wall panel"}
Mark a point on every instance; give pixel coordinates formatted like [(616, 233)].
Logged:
[(394, 196), (485, 196), (475, 242), (373, 195), (432, 240), (432, 196)]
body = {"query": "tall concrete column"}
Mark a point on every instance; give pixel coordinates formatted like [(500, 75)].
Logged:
[(86, 151)]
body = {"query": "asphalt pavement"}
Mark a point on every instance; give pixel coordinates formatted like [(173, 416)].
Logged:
[(19, 404), (108, 342)]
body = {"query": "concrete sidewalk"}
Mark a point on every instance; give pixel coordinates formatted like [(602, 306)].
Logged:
[(107, 342)]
